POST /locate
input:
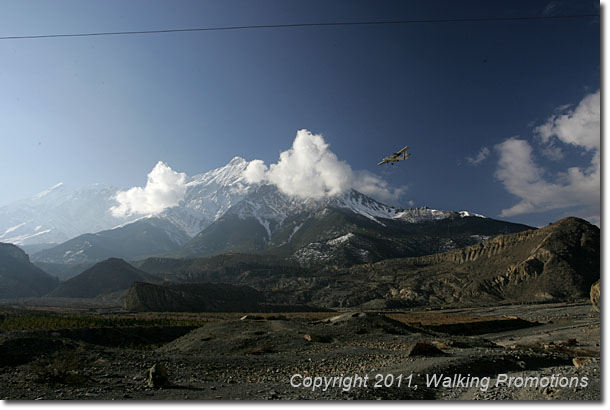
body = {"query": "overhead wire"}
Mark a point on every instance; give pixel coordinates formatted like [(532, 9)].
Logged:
[(297, 25)]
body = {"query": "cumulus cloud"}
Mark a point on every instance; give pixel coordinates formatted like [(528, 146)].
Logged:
[(481, 156), (164, 188), (578, 127), (539, 189), (309, 169)]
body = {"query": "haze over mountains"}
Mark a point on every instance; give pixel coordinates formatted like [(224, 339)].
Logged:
[(222, 212), (62, 213)]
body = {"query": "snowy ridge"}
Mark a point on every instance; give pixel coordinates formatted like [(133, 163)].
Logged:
[(423, 214), (269, 207), (370, 208), (340, 239), (466, 213), (208, 196), (58, 214), (365, 206), (47, 191), (12, 228)]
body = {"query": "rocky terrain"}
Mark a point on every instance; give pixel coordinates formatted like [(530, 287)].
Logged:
[(559, 262), (204, 297), (554, 348)]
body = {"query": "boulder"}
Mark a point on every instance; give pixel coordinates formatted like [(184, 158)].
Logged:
[(157, 377), (595, 296), (424, 349), (313, 338)]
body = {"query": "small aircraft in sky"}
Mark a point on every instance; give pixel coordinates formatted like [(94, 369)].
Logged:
[(397, 156)]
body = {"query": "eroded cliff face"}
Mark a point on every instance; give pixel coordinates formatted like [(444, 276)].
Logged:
[(557, 262)]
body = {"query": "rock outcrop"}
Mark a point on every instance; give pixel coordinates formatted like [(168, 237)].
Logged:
[(556, 263), (157, 377), (191, 297), (595, 296)]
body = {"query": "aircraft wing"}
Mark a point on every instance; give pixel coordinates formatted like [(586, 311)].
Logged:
[(403, 150), (385, 161)]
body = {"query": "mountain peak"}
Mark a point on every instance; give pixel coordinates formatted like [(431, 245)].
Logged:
[(237, 161), (225, 175)]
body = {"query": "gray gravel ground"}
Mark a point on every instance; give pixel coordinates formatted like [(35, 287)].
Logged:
[(256, 359)]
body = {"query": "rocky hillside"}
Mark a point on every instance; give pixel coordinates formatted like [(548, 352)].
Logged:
[(192, 297), (105, 277), (205, 297), (557, 262), (19, 277)]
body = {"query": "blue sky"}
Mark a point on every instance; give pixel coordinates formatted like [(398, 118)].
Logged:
[(487, 107)]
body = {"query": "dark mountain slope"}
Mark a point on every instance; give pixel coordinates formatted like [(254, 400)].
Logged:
[(343, 230), (192, 297), (19, 277), (140, 239), (109, 276)]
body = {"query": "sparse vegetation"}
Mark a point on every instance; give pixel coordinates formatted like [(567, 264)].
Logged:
[(25, 319)]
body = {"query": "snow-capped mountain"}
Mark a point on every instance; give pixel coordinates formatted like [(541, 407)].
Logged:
[(348, 228), (222, 212), (61, 213), (58, 214), (208, 196)]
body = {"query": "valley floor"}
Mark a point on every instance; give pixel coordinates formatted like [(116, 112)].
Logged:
[(459, 354)]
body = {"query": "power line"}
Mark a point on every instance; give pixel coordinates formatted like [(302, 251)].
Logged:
[(295, 25)]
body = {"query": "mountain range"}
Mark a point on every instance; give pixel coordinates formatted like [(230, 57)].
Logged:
[(556, 263), (342, 250), (61, 213), (222, 213)]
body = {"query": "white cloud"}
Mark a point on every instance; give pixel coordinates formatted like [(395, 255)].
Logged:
[(481, 156), (311, 170), (579, 127), (373, 186), (255, 171), (164, 188), (574, 187), (553, 152)]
